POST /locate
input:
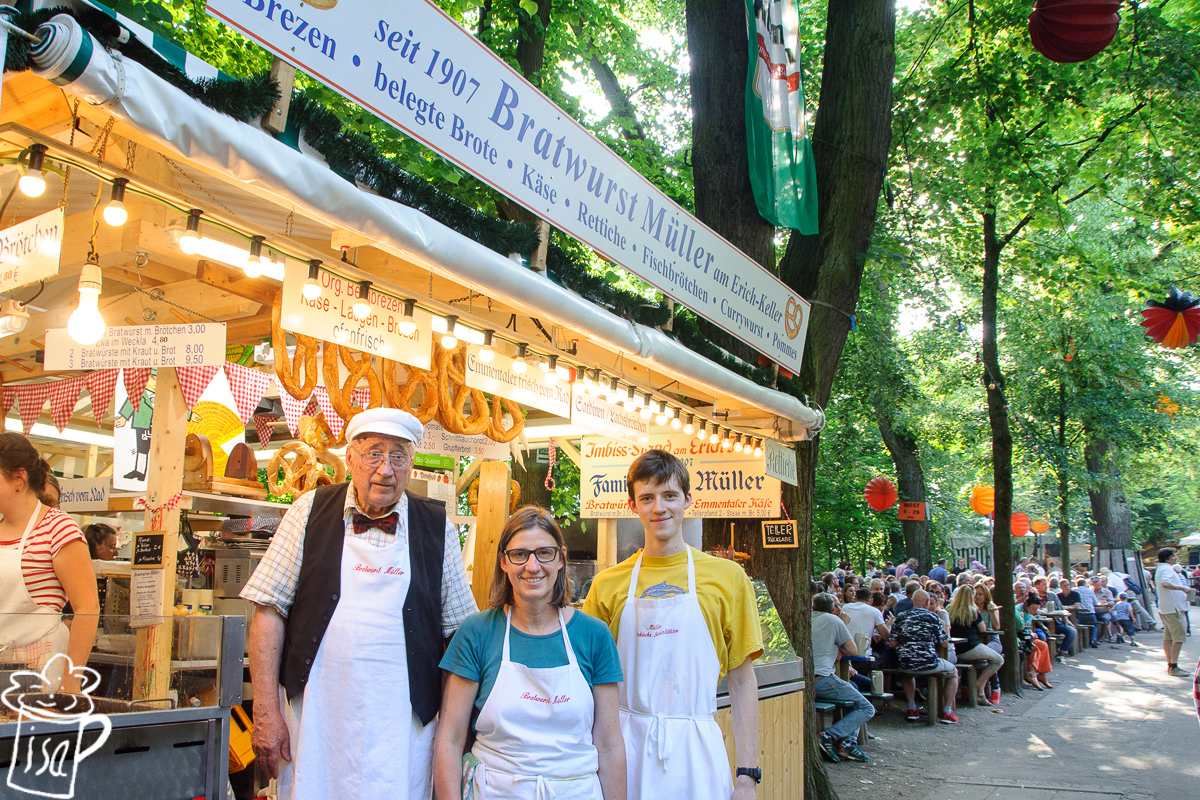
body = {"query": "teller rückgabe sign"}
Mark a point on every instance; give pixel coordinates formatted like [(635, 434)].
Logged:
[(427, 76)]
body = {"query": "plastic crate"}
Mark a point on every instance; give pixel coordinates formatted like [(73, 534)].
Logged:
[(241, 752)]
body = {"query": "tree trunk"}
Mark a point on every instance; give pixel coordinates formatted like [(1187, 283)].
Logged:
[(911, 478), (1064, 505), (993, 379), (532, 482), (1110, 508)]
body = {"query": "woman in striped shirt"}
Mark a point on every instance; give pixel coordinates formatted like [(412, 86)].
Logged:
[(44, 562)]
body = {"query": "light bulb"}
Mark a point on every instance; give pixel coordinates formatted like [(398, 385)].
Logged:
[(115, 213), (189, 240), (661, 417), (253, 264), (715, 438), (645, 412), (362, 306), (85, 325), (630, 400), (614, 392), (32, 181), (676, 423), (689, 428), (487, 353), (551, 368), (737, 445), (758, 448), (449, 340), (312, 286), (519, 363), (408, 326)]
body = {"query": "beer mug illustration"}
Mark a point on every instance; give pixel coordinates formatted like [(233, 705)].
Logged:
[(46, 751)]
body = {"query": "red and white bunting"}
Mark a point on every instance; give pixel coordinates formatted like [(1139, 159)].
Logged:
[(135, 384), (294, 409), (101, 385), (264, 425), (31, 397), (64, 395), (193, 381), (248, 387), (9, 397)]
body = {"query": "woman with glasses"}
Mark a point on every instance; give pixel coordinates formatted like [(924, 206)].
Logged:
[(537, 682)]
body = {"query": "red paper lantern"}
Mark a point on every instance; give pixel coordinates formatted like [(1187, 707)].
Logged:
[(880, 494), (1039, 526), (1175, 322), (983, 500), (1019, 524), (1068, 31)]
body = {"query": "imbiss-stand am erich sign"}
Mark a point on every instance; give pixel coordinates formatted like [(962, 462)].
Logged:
[(418, 69)]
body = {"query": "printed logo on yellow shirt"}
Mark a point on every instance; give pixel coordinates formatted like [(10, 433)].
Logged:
[(661, 590)]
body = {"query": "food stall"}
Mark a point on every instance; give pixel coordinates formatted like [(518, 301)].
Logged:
[(220, 288)]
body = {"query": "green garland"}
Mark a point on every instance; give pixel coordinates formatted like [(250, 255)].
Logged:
[(354, 157)]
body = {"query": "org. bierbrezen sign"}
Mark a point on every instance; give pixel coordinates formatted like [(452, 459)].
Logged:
[(416, 68)]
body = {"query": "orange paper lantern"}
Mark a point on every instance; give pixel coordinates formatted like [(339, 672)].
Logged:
[(880, 493), (1019, 524), (1039, 526), (983, 500)]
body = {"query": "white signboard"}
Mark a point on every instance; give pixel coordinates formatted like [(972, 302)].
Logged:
[(198, 344), (29, 250), (415, 67), (780, 461), (439, 441), (597, 415), (725, 484), (146, 597), (528, 388), (84, 494), (330, 318)]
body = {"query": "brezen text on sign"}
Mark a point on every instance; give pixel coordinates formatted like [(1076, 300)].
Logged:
[(331, 318), (194, 344), (415, 67)]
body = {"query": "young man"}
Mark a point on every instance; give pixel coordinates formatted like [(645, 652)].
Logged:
[(682, 619), (831, 636)]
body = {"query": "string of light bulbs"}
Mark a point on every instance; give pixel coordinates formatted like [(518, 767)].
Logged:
[(257, 260)]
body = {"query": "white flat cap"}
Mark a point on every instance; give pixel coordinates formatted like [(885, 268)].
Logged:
[(385, 422)]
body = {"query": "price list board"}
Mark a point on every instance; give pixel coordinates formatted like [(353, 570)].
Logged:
[(197, 344)]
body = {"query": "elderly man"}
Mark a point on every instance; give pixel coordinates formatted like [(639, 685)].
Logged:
[(355, 597), (917, 635)]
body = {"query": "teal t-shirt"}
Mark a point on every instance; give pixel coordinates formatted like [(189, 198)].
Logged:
[(474, 652)]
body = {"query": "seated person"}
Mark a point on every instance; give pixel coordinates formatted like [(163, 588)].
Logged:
[(1048, 591), (1123, 615), (966, 622), (906, 603), (1086, 615), (861, 617), (1036, 652), (991, 617), (917, 634), (1104, 603), (831, 637)]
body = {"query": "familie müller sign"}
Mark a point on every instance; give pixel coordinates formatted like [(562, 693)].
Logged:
[(725, 484), (415, 67)]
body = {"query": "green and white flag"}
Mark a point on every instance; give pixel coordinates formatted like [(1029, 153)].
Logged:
[(781, 159)]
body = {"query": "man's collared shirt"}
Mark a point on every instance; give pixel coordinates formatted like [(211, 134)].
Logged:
[(274, 580)]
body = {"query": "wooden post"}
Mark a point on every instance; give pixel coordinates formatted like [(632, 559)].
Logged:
[(284, 74), (93, 455), (606, 543), (490, 517), (152, 664)]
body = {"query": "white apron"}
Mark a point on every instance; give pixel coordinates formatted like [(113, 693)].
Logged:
[(534, 733), (353, 732), (673, 746), (30, 634)]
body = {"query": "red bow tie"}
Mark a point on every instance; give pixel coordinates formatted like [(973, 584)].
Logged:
[(363, 523)]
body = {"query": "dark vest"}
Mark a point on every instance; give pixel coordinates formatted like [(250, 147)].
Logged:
[(320, 583)]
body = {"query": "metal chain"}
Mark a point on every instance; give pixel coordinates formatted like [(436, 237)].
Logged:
[(100, 148), (71, 142), (157, 295), (216, 200), (289, 222), (130, 155)]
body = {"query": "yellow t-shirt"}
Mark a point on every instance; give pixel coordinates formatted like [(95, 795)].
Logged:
[(723, 588)]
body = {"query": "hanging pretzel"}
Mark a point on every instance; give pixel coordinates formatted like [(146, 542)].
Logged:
[(400, 395), (341, 395), (514, 496), (316, 433), (495, 430), (453, 393), (305, 360)]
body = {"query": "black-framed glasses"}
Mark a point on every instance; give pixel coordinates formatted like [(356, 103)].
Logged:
[(518, 556), (374, 458)]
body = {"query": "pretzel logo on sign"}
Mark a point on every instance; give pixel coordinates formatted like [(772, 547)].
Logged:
[(793, 318)]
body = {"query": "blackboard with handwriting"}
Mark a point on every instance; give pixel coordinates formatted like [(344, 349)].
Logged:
[(781, 533), (148, 549)]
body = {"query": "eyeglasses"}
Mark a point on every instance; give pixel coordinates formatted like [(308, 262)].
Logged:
[(374, 458), (544, 554)]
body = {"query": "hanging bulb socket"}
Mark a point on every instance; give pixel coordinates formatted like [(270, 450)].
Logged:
[(189, 240), (487, 353), (551, 367), (85, 324), (362, 306), (689, 427), (114, 213), (32, 181), (312, 284), (449, 339), (408, 325), (253, 265), (519, 363)]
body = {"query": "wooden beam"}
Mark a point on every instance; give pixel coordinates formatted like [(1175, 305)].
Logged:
[(235, 281), (152, 664), (284, 75), (568, 449), (491, 515)]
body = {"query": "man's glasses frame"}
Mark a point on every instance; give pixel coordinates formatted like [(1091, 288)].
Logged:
[(372, 459)]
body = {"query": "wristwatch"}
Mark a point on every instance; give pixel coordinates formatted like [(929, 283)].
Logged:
[(752, 772)]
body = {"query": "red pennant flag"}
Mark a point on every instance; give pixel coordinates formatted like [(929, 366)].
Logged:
[(135, 384), (101, 385), (193, 381), (64, 395), (264, 426), (336, 423), (294, 409), (248, 387), (31, 397), (10, 397)]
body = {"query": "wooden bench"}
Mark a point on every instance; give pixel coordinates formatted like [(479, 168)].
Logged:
[(836, 709), (1084, 638), (934, 693), (967, 681)]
